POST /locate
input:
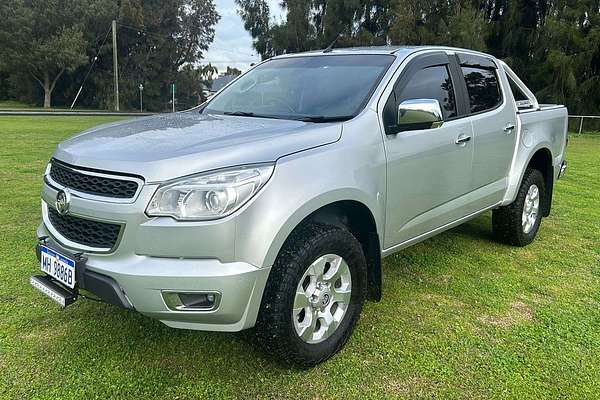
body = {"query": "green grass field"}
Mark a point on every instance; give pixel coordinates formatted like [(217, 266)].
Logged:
[(462, 316)]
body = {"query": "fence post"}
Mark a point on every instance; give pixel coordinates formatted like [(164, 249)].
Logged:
[(580, 125)]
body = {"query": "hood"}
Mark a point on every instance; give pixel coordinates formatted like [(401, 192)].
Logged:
[(169, 146)]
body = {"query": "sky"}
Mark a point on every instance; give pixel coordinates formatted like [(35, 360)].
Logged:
[(233, 45)]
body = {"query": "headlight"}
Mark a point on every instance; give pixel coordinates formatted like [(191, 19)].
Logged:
[(209, 195)]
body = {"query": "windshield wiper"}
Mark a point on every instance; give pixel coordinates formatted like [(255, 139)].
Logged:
[(303, 118), (241, 113), (323, 118), (251, 114)]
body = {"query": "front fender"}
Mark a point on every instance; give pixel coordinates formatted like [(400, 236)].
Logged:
[(309, 208), (303, 183)]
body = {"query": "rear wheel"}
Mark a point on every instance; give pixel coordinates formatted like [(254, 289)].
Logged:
[(314, 295), (517, 224)]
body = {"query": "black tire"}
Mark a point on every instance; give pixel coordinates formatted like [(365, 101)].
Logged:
[(275, 330), (507, 224)]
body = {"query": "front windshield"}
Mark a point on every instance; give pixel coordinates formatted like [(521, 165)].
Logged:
[(318, 88)]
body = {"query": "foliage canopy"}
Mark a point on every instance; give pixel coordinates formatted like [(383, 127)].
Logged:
[(48, 47), (157, 42), (553, 45)]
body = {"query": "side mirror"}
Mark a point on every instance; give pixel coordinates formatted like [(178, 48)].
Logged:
[(419, 114)]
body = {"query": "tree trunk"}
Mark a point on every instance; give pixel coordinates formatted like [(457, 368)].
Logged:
[(47, 91)]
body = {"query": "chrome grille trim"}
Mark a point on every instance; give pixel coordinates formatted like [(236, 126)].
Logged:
[(84, 195), (69, 244)]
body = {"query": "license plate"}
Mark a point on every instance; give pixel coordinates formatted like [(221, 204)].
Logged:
[(58, 266)]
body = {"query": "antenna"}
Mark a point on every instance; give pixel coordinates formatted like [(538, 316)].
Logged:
[(330, 47)]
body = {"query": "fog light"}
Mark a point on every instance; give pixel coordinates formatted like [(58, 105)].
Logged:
[(197, 300), (191, 301)]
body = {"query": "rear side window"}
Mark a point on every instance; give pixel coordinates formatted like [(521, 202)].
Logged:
[(432, 83), (523, 102), (483, 89), (517, 93)]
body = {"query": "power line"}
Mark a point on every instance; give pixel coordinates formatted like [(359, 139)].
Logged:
[(231, 51), (141, 30), (205, 61)]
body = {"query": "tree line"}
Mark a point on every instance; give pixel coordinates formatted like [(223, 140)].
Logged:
[(554, 45), (49, 48)]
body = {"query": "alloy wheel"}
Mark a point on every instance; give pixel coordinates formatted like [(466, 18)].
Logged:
[(531, 209), (322, 298)]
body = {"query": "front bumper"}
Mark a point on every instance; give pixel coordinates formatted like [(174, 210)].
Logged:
[(144, 280), (154, 256)]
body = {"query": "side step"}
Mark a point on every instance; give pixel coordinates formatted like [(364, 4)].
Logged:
[(55, 292)]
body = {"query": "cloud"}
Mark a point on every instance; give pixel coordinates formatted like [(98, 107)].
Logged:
[(233, 45)]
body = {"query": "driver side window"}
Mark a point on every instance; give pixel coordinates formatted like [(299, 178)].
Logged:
[(431, 82)]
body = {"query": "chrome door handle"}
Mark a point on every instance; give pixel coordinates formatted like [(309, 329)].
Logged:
[(462, 139), (509, 128)]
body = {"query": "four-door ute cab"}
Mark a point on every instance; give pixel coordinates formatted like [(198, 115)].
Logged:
[(272, 204)]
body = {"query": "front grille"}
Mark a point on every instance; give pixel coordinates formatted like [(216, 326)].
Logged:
[(92, 184), (84, 231)]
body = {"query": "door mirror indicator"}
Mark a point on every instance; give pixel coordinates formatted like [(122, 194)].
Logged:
[(416, 114)]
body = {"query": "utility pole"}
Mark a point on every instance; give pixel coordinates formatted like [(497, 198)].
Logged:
[(141, 98), (115, 64), (173, 99)]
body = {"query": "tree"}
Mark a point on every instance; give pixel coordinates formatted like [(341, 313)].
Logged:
[(192, 82), (568, 53), (44, 50), (45, 41), (232, 71), (257, 21), (156, 40), (553, 45), (453, 23)]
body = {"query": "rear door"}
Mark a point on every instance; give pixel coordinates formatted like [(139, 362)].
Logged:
[(427, 170), (493, 115)]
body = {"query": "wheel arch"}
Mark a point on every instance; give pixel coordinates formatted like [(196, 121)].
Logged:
[(540, 157), (349, 213), (541, 160)]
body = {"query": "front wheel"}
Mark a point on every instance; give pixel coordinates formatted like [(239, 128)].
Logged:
[(518, 223), (314, 295)]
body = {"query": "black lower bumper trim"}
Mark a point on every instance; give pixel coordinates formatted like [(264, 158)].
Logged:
[(106, 289)]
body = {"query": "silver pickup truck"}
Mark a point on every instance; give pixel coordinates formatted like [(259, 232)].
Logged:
[(272, 204)]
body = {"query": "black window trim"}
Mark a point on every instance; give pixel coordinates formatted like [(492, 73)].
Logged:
[(475, 61), (481, 63), (432, 60)]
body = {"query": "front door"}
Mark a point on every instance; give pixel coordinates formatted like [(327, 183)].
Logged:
[(428, 170)]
